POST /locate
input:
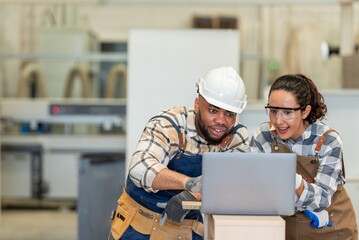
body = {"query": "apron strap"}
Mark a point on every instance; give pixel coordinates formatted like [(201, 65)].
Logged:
[(229, 137), (322, 139), (320, 143)]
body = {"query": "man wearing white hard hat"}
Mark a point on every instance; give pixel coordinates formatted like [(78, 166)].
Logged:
[(166, 166)]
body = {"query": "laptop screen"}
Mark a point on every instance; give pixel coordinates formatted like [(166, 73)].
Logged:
[(248, 183)]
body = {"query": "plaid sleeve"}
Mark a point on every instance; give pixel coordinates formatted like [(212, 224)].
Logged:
[(261, 139), (318, 195), (157, 144)]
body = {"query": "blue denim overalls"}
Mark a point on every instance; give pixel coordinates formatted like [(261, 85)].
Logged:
[(182, 163)]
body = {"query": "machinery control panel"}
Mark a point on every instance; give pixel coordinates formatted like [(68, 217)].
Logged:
[(86, 109)]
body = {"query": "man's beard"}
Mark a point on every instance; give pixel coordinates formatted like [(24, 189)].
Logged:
[(202, 129)]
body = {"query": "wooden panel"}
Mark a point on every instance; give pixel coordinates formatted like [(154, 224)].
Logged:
[(239, 227)]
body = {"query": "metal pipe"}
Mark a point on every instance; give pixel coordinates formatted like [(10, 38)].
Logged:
[(83, 76), (115, 71), (31, 69)]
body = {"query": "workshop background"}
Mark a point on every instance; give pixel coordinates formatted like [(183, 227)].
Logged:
[(74, 83)]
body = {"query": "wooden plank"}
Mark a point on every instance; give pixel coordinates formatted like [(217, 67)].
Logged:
[(191, 205)]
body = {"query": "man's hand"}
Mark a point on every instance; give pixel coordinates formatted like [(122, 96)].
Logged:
[(173, 208), (194, 184), (319, 219)]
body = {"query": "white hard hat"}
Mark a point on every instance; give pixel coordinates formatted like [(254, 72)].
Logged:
[(223, 88)]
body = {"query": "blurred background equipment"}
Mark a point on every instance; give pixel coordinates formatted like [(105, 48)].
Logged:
[(82, 74), (101, 179), (220, 22), (117, 79), (351, 71), (73, 43), (75, 127), (31, 83)]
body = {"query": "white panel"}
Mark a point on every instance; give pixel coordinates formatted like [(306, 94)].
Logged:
[(253, 115), (61, 174), (343, 116), (16, 175), (164, 66)]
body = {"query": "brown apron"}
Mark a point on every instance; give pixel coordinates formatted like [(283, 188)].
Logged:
[(341, 211)]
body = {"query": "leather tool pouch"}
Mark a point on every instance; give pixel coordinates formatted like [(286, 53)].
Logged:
[(143, 221), (170, 232), (121, 219), (130, 213)]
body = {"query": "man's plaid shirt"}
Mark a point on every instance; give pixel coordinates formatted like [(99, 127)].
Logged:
[(159, 143)]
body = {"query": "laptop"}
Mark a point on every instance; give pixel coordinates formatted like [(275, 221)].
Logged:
[(248, 183)]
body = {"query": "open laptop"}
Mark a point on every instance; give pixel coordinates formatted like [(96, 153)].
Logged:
[(248, 183)]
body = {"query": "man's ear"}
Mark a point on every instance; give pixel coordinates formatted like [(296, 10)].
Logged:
[(306, 111), (196, 104)]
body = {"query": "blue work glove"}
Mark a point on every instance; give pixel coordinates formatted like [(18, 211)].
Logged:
[(173, 208), (319, 219), (194, 184)]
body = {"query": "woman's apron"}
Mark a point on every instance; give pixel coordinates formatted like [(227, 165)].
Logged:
[(341, 211)]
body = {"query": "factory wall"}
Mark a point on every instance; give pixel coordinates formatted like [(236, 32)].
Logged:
[(274, 39)]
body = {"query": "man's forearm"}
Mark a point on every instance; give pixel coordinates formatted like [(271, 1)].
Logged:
[(169, 180)]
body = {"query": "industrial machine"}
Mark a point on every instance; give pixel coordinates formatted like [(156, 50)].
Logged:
[(43, 140)]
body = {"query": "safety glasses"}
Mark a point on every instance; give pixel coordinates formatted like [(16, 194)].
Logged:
[(285, 113)]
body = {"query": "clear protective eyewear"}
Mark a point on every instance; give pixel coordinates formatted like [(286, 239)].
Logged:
[(285, 113)]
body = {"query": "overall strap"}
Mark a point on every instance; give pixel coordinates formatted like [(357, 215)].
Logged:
[(320, 143), (180, 135), (238, 126), (227, 138)]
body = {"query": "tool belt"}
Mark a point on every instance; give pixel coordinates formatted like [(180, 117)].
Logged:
[(145, 221)]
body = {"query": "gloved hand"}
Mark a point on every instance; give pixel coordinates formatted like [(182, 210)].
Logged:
[(319, 219), (194, 184), (173, 208)]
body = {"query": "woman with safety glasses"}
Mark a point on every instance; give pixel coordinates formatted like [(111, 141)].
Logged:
[(323, 208)]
